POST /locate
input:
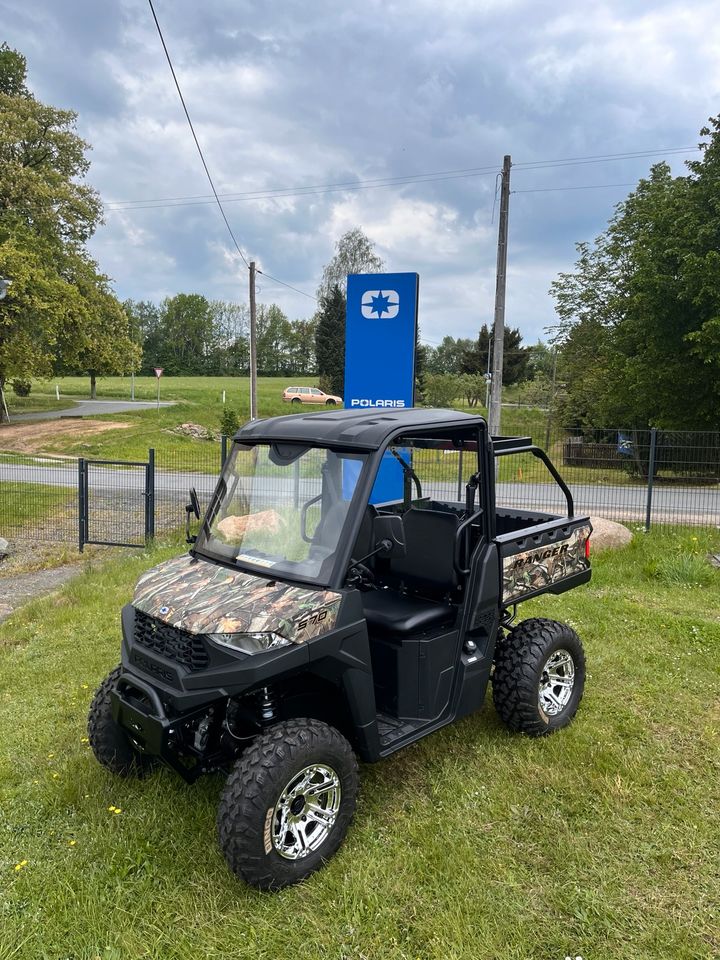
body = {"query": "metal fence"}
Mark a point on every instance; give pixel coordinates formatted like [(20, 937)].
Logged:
[(645, 477)]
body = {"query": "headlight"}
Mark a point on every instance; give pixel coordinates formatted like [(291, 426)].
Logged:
[(250, 642)]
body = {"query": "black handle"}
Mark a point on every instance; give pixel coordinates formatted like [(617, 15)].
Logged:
[(461, 541), (303, 517)]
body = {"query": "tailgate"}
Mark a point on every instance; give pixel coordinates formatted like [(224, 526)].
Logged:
[(549, 558)]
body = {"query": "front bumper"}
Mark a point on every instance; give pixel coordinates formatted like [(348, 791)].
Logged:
[(138, 710)]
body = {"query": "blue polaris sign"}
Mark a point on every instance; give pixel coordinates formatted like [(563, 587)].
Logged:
[(380, 333), (380, 340)]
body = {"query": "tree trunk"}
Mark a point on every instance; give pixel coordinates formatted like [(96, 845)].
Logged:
[(93, 386), (3, 418)]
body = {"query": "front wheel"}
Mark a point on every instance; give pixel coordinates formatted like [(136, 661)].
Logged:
[(330, 403), (109, 742), (288, 803), (539, 677)]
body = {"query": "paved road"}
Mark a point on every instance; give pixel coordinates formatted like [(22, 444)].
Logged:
[(92, 408), (670, 503)]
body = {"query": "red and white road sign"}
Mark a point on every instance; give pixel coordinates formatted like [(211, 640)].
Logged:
[(158, 371)]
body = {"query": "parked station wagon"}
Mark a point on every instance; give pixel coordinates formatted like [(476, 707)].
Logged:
[(310, 395)]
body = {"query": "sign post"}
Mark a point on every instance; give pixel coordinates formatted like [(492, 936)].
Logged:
[(380, 338), (158, 374)]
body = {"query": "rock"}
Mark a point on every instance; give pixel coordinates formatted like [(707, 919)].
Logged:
[(608, 535), (196, 431), (4, 547)]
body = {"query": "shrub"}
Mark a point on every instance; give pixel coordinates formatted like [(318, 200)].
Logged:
[(229, 422), (21, 388), (683, 569), (474, 388), (441, 389)]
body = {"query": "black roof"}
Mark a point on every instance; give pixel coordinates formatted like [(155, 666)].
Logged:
[(360, 429)]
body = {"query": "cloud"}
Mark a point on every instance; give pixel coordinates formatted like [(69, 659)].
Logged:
[(298, 94)]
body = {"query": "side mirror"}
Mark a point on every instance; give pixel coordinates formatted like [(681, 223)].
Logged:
[(389, 532), (190, 508)]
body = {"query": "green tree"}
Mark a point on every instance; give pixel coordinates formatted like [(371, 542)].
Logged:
[(300, 347), (330, 340), (186, 334), (354, 253), (98, 341), (273, 332), (144, 330), (474, 359), (447, 356), (639, 315), (48, 214)]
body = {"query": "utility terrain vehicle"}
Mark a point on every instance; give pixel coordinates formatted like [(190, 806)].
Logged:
[(351, 589)]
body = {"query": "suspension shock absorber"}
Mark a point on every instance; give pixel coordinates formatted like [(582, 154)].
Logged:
[(267, 705)]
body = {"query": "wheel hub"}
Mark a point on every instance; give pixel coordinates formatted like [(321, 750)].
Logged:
[(557, 679), (306, 811)]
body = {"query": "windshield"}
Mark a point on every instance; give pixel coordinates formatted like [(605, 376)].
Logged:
[(281, 507)]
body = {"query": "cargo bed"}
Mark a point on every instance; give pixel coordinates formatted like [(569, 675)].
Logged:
[(539, 552)]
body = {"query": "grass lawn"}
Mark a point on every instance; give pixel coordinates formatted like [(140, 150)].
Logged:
[(601, 842), (198, 399)]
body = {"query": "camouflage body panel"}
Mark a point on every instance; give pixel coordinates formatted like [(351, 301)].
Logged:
[(532, 570), (201, 597)]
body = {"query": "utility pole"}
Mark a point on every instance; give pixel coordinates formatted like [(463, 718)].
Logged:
[(499, 321), (253, 345)]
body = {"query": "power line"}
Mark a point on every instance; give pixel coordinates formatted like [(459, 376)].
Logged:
[(289, 285), (601, 158), (192, 130), (298, 192), (587, 186), (382, 181), (205, 166), (379, 182)]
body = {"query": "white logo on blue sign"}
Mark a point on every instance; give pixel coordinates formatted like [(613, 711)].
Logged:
[(380, 304)]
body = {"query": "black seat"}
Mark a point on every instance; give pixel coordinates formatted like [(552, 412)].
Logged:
[(427, 566), (392, 612)]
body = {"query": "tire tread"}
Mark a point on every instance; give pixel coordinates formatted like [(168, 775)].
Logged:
[(518, 659)]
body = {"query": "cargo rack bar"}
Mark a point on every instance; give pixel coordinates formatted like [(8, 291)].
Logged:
[(504, 446)]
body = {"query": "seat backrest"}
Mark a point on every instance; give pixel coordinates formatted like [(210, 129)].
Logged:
[(430, 545)]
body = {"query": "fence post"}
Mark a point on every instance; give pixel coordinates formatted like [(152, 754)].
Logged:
[(651, 477), (150, 496), (460, 475), (223, 450), (82, 504), (296, 484)]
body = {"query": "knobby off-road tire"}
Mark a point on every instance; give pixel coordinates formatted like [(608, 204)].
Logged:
[(539, 677), (281, 781), (109, 742)]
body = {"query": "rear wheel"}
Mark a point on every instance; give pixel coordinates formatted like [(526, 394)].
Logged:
[(296, 400), (109, 742), (288, 803), (539, 677)]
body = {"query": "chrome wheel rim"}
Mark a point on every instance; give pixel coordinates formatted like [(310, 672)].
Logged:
[(306, 811), (557, 680)]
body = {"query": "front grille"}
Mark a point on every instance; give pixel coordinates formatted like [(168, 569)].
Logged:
[(185, 648)]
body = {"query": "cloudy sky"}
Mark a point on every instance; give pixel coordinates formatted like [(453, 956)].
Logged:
[(305, 94)]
